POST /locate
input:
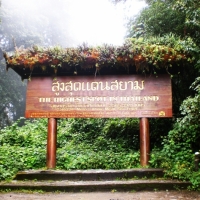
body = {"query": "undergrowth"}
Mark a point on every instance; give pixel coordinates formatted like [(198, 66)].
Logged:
[(81, 144), (98, 144)]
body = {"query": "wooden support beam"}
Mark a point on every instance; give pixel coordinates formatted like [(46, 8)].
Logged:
[(51, 143), (144, 142)]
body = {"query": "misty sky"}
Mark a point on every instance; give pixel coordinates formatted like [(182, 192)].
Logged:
[(76, 21)]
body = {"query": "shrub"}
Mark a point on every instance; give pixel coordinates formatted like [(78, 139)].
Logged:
[(179, 146)]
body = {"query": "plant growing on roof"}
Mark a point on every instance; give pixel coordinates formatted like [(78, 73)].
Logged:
[(158, 53)]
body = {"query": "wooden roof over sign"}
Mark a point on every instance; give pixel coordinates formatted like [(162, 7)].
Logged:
[(132, 57)]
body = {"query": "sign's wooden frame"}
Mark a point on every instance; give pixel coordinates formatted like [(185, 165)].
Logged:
[(99, 97), (102, 97)]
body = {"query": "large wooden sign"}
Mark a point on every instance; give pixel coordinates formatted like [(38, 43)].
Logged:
[(99, 97)]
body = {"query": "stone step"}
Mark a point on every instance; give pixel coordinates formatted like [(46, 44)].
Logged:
[(93, 180), (90, 186), (89, 175)]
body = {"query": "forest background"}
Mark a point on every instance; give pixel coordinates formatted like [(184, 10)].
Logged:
[(104, 143)]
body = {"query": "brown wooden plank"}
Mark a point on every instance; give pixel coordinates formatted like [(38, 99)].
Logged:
[(144, 142), (51, 143), (87, 96)]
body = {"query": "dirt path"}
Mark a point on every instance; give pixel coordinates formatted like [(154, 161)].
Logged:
[(160, 195)]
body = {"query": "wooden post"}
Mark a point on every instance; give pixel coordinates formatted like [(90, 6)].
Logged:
[(144, 142), (51, 143)]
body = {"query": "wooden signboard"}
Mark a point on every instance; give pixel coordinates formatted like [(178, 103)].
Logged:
[(99, 97)]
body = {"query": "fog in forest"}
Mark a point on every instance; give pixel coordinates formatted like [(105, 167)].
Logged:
[(70, 22)]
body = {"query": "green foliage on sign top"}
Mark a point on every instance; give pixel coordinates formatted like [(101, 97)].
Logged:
[(143, 54)]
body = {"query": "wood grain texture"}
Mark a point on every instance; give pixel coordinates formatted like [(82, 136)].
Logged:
[(99, 97)]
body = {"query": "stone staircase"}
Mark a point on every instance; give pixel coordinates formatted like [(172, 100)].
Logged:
[(93, 180)]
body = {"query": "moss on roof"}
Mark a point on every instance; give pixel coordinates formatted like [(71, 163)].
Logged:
[(140, 54)]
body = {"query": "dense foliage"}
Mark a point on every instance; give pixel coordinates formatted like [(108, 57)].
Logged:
[(181, 18), (100, 144), (177, 155), (157, 20), (82, 144)]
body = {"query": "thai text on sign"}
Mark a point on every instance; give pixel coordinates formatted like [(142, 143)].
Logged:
[(99, 97)]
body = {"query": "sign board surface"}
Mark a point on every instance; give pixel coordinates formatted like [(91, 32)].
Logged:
[(99, 97)]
